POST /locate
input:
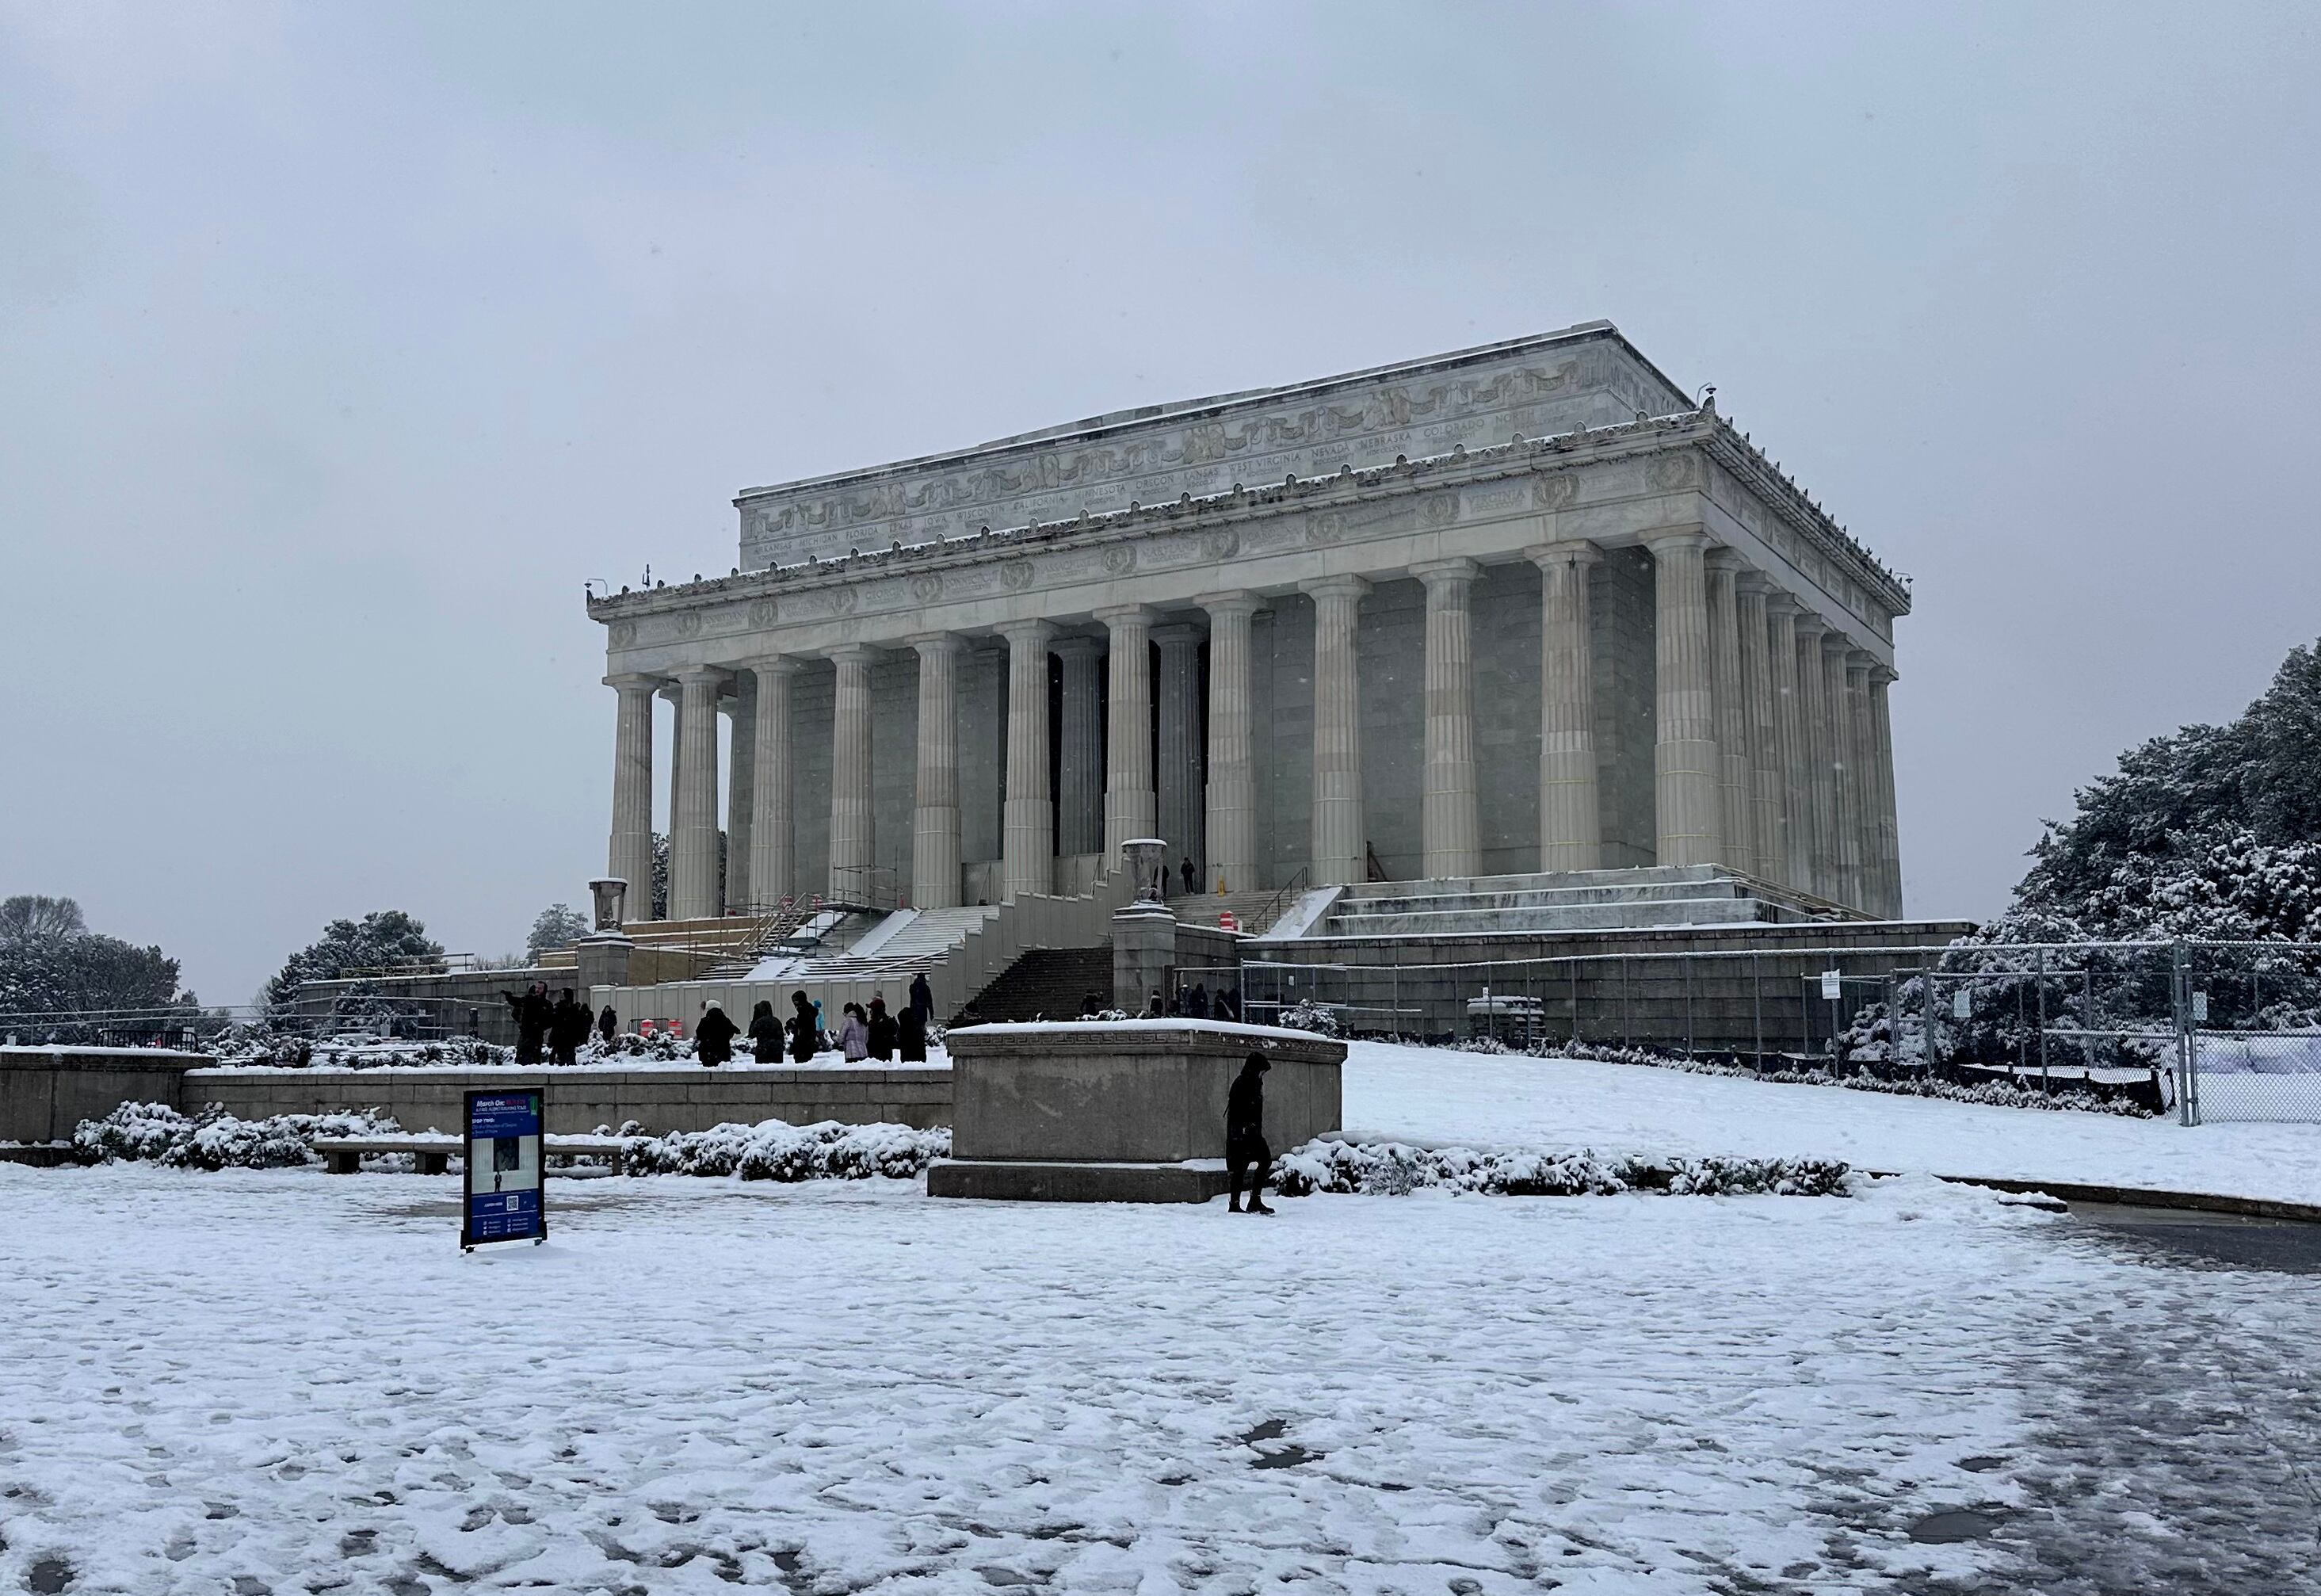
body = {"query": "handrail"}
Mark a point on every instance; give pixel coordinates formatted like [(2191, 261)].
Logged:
[(1262, 921)]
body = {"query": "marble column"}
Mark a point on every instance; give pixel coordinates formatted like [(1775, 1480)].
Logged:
[(1028, 831), (1340, 844), (1860, 762), (1685, 761), (1183, 804), (1845, 807), (630, 857), (1079, 776), (850, 878), (674, 696), (1736, 782), (1449, 837), (1881, 761), (1757, 697), (1796, 851), (693, 839), (1818, 773), (1232, 765), (1131, 809), (741, 786), (1571, 814), (773, 857), (934, 816)]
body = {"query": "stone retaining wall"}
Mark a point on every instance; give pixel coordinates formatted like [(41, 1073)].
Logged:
[(666, 1098), (46, 1092)]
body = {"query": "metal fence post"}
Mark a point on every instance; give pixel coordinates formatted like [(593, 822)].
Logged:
[(1688, 1010), (2187, 1110), (1757, 1005), (2042, 978)]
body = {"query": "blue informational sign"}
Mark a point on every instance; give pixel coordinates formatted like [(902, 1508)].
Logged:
[(505, 1168)]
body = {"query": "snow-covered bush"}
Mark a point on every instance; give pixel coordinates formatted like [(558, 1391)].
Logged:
[(214, 1139), (776, 1150), (1395, 1169), (1307, 1015)]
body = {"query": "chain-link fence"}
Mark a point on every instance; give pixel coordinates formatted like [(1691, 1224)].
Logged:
[(2206, 1030)]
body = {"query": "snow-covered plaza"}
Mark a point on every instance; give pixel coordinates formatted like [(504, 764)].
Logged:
[(279, 1381)]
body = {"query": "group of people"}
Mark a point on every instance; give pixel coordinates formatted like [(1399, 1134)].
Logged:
[(1192, 1002), (560, 1027), (863, 1034)]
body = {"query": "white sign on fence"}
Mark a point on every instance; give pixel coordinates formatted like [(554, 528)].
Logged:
[(1962, 1004), (1833, 985)]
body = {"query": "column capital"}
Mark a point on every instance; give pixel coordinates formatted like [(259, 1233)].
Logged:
[(1027, 632), (1725, 557), (1809, 624), (1345, 587), (1575, 551), (701, 675), (1116, 616), (1241, 601), (931, 643), (1079, 645), (1675, 540), (853, 654), (1457, 570), (633, 681), (1860, 659), (1882, 674), (1781, 601), (1750, 580), (776, 665), (1178, 634), (1834, 642)]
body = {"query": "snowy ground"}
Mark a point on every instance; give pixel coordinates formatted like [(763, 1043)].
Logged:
[(1441, 1095), (283, 1382)]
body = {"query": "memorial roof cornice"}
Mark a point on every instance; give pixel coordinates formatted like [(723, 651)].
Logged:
[(1703, 429)]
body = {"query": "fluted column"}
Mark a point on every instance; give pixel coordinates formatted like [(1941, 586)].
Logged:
[(1130, 808), (1845, 807), (1790, 739), (1881, 765), (1339, 843), (673, 696), (1818, 773), (934, 816), (1684, 758), (693, 840), (1757, 694), (631, 856), (741, 786), (1571, 812), (1028, 832), (1449, 839), (1183, 804), (773, 857), (1080, 777), (1735, 785), (1232, 781), (850, 839)]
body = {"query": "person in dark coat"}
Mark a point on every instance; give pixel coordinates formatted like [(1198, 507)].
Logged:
[(1192, 878), (805, 1028), (532, 1013), (1229, 1004), (1197, 1004), (608, 1025), (765, 1033), (923, 999), (884, 1032), (911, 1043), (1245, 1135), (568, 1028), (713, 1038)]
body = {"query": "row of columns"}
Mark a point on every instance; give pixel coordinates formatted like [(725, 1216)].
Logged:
[(1772, 753)]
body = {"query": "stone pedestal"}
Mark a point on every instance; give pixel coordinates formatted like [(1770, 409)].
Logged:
[(1143, 952), (1126, 1111), (604, 959)]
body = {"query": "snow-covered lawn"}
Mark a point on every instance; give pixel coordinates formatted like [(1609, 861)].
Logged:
[(1440, 1095)]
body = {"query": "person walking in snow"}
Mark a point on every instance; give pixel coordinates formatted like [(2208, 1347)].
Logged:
[(911, 1043), (532, 1013), (883, 1035), (568, 1028), (1245, 1135), (713, 1038), (923, 999), (805, 1030), (608, 1025), (854, 1036), (765, 1033)]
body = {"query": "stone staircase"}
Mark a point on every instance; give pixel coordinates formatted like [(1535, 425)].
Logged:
[(1249, 909), (1046, 983), (1654, 896)]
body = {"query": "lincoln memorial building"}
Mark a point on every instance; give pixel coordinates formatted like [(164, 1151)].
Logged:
[(1524, 609)]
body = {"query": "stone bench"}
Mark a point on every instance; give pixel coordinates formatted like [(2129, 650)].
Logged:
[(343, 1156)]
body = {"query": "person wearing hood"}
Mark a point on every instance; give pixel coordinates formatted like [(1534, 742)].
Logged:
[(713, 1038), (854, 1036), (568, 1028), (608, 1025), (805, 1028), (883, 1035), (911, 1045), (765, 1033), (923, 999), (533, 1014), (1245, 1135)]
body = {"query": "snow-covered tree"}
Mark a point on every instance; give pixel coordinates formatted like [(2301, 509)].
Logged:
[(386, 939), (559, 925), (58, 977)]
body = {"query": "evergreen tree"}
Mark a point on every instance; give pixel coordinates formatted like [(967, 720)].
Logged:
[(54, 968), (559, 925), (384, 939)]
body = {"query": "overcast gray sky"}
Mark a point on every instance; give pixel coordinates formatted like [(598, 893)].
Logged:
[(340, 344)]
